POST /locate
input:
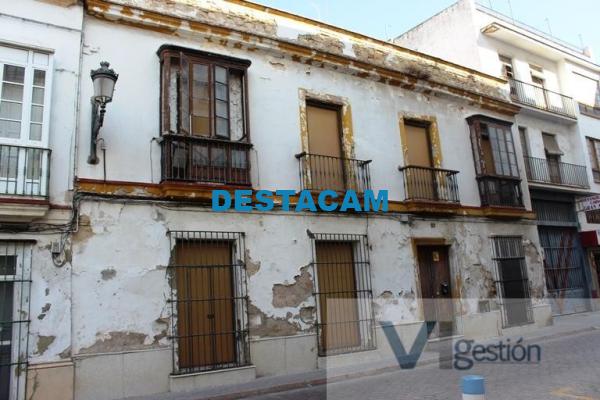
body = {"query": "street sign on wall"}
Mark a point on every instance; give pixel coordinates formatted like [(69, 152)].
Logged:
[(589, 203)]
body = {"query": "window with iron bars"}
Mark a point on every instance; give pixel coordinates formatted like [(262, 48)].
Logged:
[(15, 288), (343, 294), (512, 283), (209, 301)]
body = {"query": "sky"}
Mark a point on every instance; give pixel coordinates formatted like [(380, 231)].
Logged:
[(574, 21)]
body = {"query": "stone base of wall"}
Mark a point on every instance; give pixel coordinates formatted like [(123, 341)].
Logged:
[(118, 375), (203, 380), (50, 381), (145, 372), (284, 355)]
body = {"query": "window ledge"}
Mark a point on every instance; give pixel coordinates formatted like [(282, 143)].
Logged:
[(22, 210)]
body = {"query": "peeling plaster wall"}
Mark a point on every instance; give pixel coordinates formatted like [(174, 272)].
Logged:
[(243, 18), (274, 85), (120, 288)]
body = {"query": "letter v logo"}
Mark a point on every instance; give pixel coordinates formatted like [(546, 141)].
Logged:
[(407, 360)]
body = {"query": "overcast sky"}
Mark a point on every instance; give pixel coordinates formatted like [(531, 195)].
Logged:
[(574, 21)]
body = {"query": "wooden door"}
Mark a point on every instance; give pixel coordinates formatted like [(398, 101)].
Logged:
[(337, 296), (420, 181), (436, 290), (7, 275), (553, 161), (205, 308), (515, 291), (324, 144)]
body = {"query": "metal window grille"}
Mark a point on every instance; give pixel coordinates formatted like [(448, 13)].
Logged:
[(342, 293), (209, 301), (15, 288), (563, 261), (558, 213), (512, 283)]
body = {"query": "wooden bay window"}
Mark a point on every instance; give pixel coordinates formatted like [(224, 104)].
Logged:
[(495, 162), (204, 118)]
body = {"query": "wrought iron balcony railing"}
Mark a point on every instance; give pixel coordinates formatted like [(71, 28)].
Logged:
[(318, 172), (541, 98), (429, 184), (24, 171), (590, 111), (500, 191), (205, 160), (555, 172)]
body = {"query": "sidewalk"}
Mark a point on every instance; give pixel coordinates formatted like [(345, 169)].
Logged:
[(563, 326)]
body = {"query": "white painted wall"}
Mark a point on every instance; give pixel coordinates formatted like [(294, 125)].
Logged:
[(36, 25), (31, 24), (454, 24)]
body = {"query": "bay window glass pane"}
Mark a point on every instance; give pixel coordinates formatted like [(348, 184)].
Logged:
[(13, 74), (37, 114), (37, 96), (219, 157), (10, 110), (201, 126), (200, 156), (221, 91), (10, 129), (221, 109), (238, 159), (11, 91), (39, 77), (35, 131), (220, 74), (222, 127), (200, 101)]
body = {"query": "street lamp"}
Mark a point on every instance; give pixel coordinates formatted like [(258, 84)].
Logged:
[(104, 80)]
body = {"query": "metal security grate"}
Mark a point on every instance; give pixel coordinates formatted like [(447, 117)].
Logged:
[(209, 302), (558, 213), (343, 293), (512, 283), (15, 288), (563, 261)]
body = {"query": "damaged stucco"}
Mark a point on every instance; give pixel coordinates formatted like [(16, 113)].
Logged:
[(251, 27)]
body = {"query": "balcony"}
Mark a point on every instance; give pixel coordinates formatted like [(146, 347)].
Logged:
[(24, 172), (500, 191), (319, 172), (541, 98), (590, 111), (195, 159), (426, 184), (557, 173)]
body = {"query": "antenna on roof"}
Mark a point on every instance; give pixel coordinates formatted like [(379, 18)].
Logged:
[(548, 23), (511, 11)]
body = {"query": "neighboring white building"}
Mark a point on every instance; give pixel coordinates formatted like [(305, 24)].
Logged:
[(40, 60), (141, 288), (556, 85)]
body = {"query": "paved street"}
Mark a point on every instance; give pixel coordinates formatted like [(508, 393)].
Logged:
[(569, 369)]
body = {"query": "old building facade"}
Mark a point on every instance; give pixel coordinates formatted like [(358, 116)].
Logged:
[(120, 271)]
